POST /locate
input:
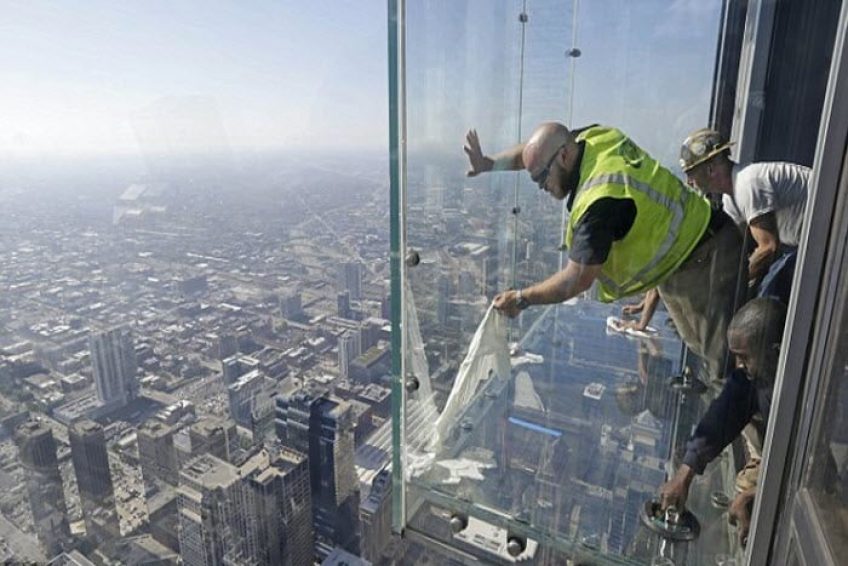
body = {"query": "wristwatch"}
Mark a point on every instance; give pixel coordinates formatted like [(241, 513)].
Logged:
[(521, 301)]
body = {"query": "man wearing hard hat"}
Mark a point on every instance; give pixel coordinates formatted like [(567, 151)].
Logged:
[(767, 198)]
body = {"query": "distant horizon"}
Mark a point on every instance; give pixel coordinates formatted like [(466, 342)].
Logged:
[(81, 78)]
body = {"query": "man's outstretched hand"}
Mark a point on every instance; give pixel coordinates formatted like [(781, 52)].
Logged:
[(507, 303), (479, 163)]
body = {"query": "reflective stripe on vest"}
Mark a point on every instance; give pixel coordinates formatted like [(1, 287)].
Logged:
[(676, 208)]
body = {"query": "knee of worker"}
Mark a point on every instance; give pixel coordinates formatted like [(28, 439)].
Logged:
[(753, 437)]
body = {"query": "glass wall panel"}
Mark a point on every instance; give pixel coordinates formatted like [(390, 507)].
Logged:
[(826, 475), (553, 455)]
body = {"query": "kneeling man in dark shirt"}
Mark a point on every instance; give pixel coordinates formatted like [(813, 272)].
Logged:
[(753, 337)]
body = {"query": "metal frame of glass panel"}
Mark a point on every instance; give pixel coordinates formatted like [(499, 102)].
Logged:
[(753, 70), (397, 192)]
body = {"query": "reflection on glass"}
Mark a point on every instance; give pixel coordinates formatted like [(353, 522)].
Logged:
[(826, 476), (553, 458)]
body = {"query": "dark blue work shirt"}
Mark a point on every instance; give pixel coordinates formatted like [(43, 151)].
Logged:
[(740, 399)]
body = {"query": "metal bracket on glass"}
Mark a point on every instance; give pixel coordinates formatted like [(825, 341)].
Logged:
[(412, 383), (670, 523), (413, 258), (515, 544), (458, 523), (685, 383)]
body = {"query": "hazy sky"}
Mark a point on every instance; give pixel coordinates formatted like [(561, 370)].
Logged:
[(82, 76), (646, 67), (149, 75)]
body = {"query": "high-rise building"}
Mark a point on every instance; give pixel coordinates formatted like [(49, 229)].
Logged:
[(375, 517), (243, 394), (160, 465), (350, 346), (37, 454), (291, 306), (213, 435), (373, 330), (279, 508), (343, 304), (321, 426), (94, 480), (227, 345), (258, 513), (350, 279), (114, 364), (157, 455), (236, 366), (386, 307), (211, 513)]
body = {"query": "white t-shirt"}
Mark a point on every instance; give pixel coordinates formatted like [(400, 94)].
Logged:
[(777, 187)]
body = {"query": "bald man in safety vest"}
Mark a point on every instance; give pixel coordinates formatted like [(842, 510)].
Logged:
[(632, 226)]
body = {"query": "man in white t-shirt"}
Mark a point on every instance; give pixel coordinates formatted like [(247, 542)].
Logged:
[(768, 198)]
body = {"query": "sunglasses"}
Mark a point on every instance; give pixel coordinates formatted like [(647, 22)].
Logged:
[(542, 177)]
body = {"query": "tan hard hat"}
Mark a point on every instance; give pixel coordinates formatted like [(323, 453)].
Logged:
[(700, 146)]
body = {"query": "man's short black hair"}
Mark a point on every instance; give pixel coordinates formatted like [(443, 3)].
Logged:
[(760, 321)]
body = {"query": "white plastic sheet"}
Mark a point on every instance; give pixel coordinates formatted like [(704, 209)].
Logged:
[(487, 357)]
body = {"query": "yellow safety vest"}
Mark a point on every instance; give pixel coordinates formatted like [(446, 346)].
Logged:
[(670, 217)]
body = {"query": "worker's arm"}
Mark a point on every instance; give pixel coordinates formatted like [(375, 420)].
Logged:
[(561, 286), (507, 160), (765, 234), (675, 491), (724, 420), (739, 513), (648, 308)]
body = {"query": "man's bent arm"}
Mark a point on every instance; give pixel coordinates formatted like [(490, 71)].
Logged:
[(563, 285), (765, 233)]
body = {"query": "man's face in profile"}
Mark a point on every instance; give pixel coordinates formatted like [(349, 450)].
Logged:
[(758, 361)]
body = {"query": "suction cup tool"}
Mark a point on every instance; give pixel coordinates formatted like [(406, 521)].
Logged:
[(670, 524), (686, 383)]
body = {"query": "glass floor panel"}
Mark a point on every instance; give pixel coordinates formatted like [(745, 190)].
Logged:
[(566, 451)]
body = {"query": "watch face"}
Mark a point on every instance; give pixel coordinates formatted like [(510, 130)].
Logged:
[(522, 303)]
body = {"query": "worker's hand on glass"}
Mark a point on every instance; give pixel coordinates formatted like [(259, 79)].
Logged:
[(739, 513), (637, 325), (674, 492), (630, 310), (479, 163), (507, 303)]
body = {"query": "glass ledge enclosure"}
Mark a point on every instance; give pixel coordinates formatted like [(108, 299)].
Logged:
[(553, 463), (562, 455)]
